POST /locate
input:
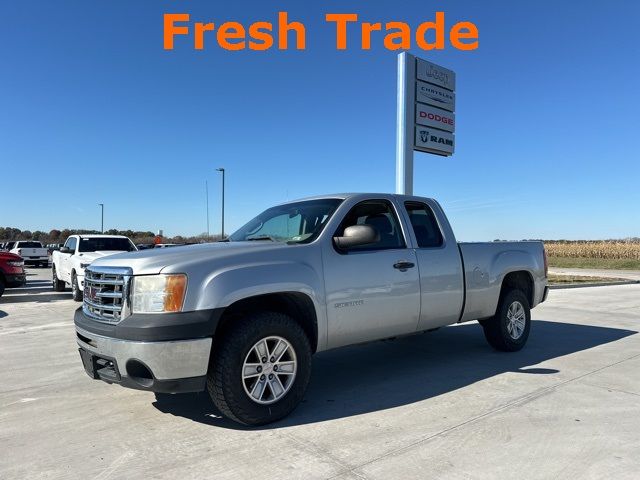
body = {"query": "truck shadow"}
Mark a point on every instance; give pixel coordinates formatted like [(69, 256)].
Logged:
[(37, 291), (380, 375), (35, 298)]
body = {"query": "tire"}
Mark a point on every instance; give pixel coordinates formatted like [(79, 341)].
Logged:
[(2, 286), (76, 293), (58, 285), (503, 334), (230, 391)]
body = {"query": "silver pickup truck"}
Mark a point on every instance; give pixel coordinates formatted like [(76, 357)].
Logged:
[(241, 318)]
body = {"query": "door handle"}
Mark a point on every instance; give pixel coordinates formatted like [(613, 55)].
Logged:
[(403, 265)]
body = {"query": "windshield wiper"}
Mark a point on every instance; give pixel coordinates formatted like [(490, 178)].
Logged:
[(261, 237)]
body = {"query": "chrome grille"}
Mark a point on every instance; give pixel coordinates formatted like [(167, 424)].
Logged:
[(106, 293)]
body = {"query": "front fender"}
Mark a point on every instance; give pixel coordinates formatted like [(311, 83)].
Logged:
[(225, 287)]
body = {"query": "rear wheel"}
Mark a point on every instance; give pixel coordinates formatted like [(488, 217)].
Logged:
[(1, 286), (508, 329), (58, 285), (75, 289), (261, 368)]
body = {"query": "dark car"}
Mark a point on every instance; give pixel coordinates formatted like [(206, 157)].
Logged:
[(11, 271)]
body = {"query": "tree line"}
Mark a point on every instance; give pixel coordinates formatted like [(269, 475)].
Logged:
[(8, 234)]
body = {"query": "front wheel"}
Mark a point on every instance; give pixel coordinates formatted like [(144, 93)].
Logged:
[(260, 370), (75, 289), (58, 285), (508, 329)]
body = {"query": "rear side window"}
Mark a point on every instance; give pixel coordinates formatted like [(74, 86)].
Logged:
[(424, 225)]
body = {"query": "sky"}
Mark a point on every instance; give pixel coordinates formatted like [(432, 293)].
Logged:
[(94, 110)]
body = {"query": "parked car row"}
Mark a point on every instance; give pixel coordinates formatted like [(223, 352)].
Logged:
[(69, 262), (32, 252)]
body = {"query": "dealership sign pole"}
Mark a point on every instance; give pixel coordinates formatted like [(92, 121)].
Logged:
[(425, 115)]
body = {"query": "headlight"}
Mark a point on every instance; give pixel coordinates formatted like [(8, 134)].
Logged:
[(16, 263), (84, 265), (158, 293)]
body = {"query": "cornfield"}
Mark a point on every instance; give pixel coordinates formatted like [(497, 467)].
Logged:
[(601, 249)]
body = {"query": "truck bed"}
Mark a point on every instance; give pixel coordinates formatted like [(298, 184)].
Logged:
[(485, 265)]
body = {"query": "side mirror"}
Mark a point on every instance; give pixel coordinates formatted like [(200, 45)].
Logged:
[(65, 250), (356, 236)]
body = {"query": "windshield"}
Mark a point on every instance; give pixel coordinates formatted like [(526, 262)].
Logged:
[(299, 222), (106, 243)]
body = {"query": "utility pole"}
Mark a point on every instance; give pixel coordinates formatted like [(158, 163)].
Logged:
[(206, 189), (222, 170), (102, 216)]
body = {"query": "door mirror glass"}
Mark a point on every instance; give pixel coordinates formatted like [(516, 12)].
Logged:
[(356, 236)]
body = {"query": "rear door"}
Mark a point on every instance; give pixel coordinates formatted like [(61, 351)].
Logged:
[(368, 295), (440, 265)]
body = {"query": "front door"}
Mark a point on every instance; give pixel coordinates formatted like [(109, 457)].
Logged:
[(372, 291)]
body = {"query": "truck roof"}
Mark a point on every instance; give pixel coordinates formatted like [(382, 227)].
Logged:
[(98, 236), (344, 196)]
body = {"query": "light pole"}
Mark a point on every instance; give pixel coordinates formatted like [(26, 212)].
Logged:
[(102, 217), (222, 170), (206, 189)]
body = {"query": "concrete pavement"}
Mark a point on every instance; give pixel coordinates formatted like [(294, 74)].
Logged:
[(441, 404)]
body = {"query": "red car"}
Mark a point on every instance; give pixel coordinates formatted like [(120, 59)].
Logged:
[(11, 271)]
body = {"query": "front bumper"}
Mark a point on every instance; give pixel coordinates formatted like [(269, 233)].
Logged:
[(169, 366), (35, 260), (15, 279), (157, 352)]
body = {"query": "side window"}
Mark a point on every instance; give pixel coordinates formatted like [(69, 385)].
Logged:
[(71, 243), (424, 225), (381, 216)]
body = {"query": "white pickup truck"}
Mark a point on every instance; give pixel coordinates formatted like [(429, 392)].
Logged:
[(241, 318), (33, 253), (78, 252)]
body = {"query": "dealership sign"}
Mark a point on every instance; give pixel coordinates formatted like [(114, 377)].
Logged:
[(433, 139), (435, 74), (434, 117), (440, 82), (436, 96), (425, 120)]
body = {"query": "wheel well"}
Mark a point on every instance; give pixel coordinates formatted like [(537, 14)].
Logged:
[(520, 280), (297, 305)]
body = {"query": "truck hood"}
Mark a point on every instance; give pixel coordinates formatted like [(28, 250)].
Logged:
[(153, 261), (88, 257)]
